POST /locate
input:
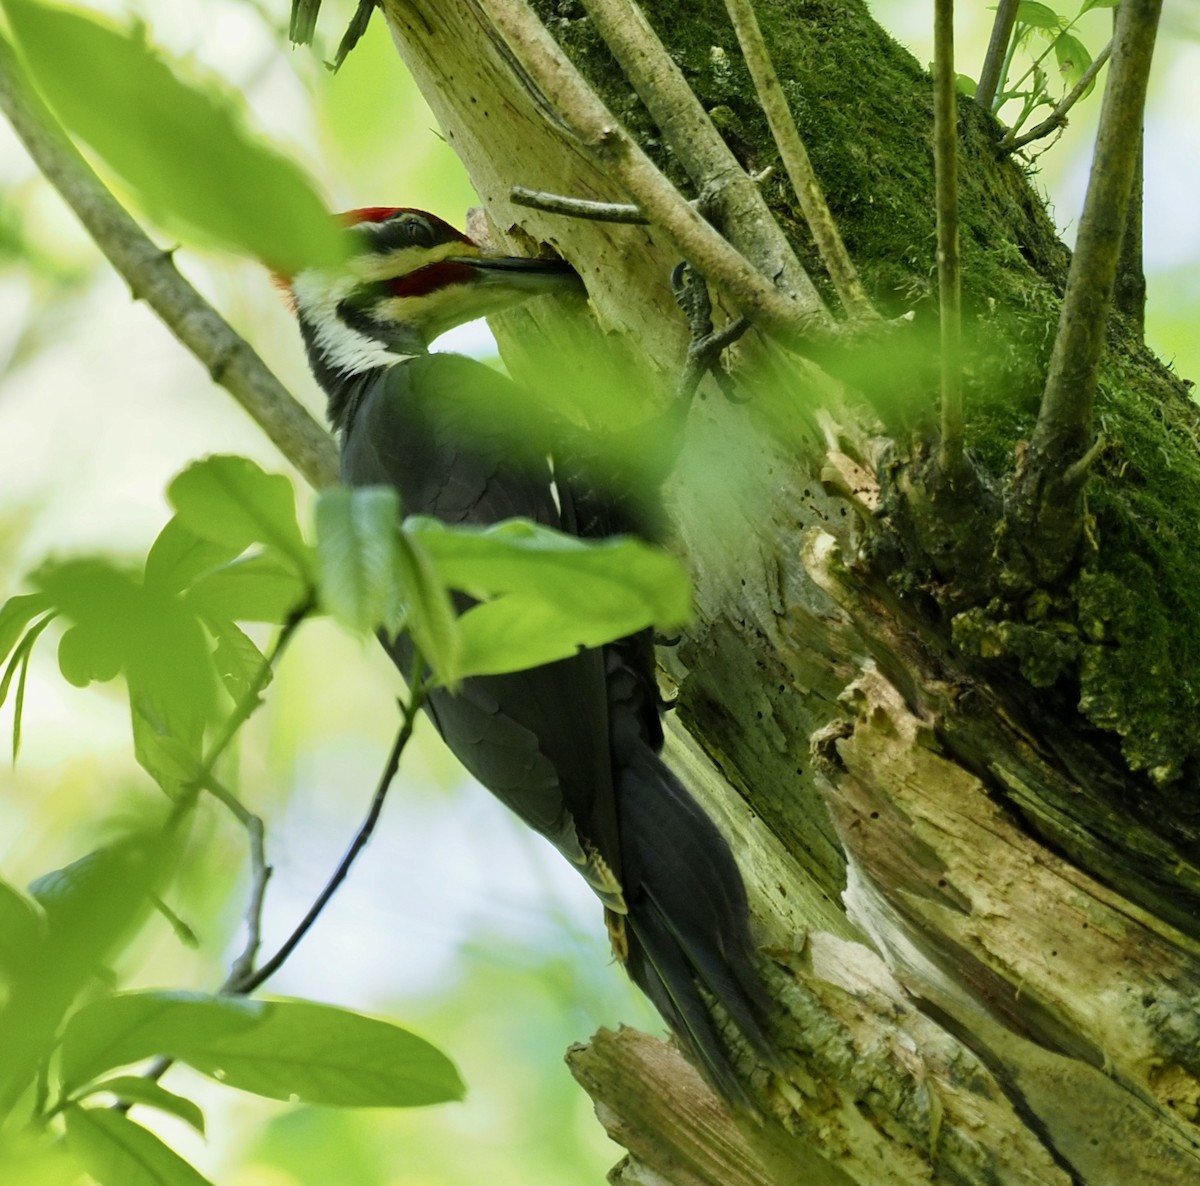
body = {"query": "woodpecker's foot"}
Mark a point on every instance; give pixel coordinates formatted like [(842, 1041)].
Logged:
[(707, 346)]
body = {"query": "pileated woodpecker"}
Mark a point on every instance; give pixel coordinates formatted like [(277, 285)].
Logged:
[(572, 747)]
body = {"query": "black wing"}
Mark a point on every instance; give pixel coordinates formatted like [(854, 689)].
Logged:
[(448, 433)]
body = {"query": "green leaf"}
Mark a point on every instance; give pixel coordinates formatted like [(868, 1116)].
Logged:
[(1088, 5), (92, 907), (27, 1159), (234, 502), (356, 557), (1073, 60), (178, 556), (1040, 16), (240, 664), (282, 1049), (432, 620), (125, 1028), (153, 637), (965, 85), (117, 1152), (15, 615), (183, 148), (318, 1054), (136, 1089), (22, 931), (259, 588)]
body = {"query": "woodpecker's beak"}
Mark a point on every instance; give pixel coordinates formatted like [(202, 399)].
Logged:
[(523, 276)]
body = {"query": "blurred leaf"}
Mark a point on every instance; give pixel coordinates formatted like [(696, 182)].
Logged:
[(184, 149), (356, 557), (152, 637), (178, 556), (1040, 16), (234, 502), (259, 588), (620, 584), (136, 1089), (965, 84), (1073, 60), (117, 1152), (171, 762), (18, 665), (127, 1027), (92, 907), (1088, 5), (432, 620), (15, 615), (239, 663), (22, 930), (28, 1160)]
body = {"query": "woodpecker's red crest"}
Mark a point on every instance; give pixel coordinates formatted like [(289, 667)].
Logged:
[(410, 278)]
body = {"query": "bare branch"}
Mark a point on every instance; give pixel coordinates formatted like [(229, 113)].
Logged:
[(1058, 117), (728, 194), (945, 153), (795, 159), (577, 207), (248, 983), (1064, 428), (997, 52), (153, 277)]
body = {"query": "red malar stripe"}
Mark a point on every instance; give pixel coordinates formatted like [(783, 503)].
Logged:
[(431, 278)]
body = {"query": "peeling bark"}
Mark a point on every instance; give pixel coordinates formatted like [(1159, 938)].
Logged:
[(977, 893)]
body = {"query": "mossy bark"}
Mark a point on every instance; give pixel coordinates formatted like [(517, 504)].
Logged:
[(910, 735)]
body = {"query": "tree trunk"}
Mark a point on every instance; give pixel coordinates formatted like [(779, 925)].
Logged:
[(965, 803)]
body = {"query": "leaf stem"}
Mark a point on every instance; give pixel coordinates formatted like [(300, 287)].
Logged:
[(1058, 116)]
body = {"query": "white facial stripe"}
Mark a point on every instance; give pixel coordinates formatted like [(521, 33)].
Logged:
[(345, 349)]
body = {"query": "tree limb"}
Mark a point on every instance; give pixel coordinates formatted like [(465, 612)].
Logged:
[(795, 160), (997, 52), (730, 197), (794, 323), (1064, 431), (152, 276)]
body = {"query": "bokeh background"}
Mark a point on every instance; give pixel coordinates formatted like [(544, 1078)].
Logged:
[(456, 922)]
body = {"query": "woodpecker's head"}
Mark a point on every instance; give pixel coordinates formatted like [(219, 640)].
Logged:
[(409, 277)]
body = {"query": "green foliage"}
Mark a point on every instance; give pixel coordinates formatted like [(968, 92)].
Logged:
[(181, 147), (475, 600), (1033, 89)]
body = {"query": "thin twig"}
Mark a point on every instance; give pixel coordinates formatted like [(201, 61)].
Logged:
[(253, 980), (795, 160), (730, 196), (152, 276), (1058, 117), (260, 874), (991, 73), (576, 207), (945, 152)]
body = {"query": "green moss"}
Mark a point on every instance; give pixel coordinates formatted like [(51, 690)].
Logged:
[(1125, 634)]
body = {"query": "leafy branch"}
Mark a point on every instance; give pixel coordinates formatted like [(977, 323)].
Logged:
[(153, 277)]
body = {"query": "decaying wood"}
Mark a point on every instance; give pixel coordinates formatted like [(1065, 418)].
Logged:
[(971, 982)]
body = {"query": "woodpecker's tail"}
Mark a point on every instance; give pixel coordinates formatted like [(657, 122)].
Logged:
[(686, 931)]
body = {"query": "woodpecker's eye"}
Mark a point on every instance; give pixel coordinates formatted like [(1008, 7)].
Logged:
[(417, 230)]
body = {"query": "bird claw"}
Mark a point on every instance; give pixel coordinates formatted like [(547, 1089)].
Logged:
[(707, 345)]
